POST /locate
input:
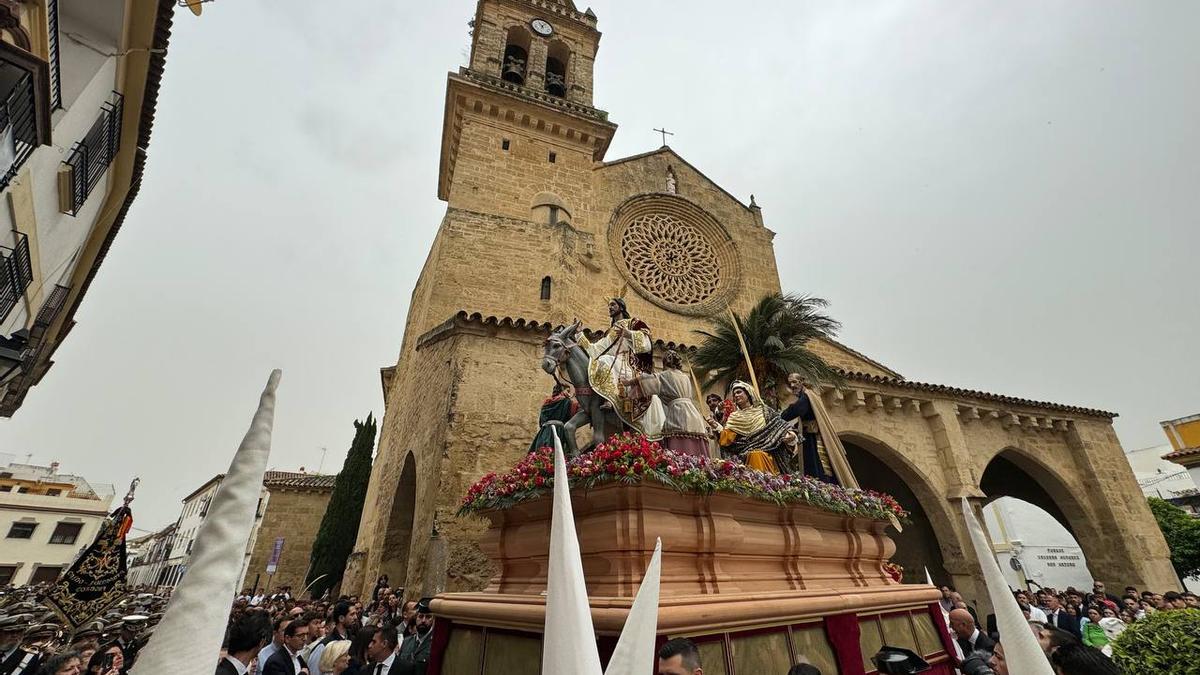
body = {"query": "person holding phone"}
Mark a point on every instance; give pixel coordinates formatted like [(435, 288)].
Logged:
[(108, 660)]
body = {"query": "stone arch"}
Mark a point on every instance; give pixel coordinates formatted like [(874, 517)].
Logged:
[(548, 208), (1017, 473), (514, 63), (397, 540), (880, 467), (558, 59)]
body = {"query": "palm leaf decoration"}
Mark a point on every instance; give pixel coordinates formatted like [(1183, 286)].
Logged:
[(778, 332)]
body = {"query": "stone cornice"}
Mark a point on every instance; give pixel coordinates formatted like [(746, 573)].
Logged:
[(470, 92), (873, 391)]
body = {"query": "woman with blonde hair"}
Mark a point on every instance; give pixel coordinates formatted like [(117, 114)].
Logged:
[(336, 658)]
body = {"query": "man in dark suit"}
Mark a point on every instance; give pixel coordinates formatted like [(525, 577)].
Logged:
[(1056, 616), (14, 658), (287, 661), (246, 637), (969, 637), (381, 651)]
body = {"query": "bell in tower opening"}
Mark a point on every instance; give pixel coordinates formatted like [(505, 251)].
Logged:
[(516, 56), (556, 69)]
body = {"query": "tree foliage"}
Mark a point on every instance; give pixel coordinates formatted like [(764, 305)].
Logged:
[(1182, 532), (1164, 643), (778, 331), (339, 526)]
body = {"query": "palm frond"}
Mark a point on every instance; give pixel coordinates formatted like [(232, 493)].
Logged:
[(777, 331)]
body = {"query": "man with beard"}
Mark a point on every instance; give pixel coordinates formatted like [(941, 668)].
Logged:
[(621, 354), (413, 658), (408, 627)]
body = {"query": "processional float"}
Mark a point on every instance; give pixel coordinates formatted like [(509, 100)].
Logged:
[(759, 571)]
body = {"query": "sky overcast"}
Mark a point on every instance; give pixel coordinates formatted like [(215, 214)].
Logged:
[(998, 196)]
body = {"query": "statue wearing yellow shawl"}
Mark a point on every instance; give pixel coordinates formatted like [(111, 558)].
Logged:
[(756, 434)]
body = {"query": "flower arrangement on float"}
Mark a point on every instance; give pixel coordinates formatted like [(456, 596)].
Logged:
[(631, 458)]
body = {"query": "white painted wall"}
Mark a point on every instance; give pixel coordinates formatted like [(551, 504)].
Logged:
[(88, 79), (1159, 478), (1049, 554), (47, 512)]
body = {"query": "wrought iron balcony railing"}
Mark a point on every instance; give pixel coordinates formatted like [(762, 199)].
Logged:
[(18, 125), (90, 158), (55, 56), (16, 273)]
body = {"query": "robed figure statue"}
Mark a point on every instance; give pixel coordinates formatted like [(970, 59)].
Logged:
[(755, 433), (681, 427), (560, 407), (814, 460), (620, 355)]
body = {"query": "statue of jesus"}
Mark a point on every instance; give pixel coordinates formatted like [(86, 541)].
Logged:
[(624, 352)]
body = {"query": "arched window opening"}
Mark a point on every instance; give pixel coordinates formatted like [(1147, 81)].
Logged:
[(556, 69), (550, 209), (516, 56), (545, 288)]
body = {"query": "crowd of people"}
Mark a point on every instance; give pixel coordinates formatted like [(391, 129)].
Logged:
[(280, 634), (267, 635), (1075, 628), (33, 639)]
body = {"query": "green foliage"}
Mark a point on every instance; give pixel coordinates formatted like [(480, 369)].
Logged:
[(1182, 532), (778, 331), (1164, 643), (339, 526)]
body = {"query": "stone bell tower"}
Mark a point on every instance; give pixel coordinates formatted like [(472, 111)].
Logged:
[(539, 229), (519, 141)]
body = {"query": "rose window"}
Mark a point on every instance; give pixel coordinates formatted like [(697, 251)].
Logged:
[(671, 259), (674, 254)]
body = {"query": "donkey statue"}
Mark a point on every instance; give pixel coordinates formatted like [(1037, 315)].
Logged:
[(561, 351)]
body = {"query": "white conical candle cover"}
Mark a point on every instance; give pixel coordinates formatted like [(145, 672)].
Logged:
[(188, 639), (1021, 649), (569, 638), (634, 654)]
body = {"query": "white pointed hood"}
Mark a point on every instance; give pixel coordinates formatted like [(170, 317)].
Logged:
[(189, 637), (569, 638), (634, 654), (1021, 649)]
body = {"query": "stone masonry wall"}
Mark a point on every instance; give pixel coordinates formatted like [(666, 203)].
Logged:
[(296, 516)]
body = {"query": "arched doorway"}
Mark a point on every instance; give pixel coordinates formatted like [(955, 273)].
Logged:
[(879, 468), (398, 541), (1027, 504)]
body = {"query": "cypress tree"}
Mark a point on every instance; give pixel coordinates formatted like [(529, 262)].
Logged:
[(339, 526)]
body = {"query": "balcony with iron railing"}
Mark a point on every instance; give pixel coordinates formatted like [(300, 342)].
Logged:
[(91, 157), (16, 273), (18, 122)]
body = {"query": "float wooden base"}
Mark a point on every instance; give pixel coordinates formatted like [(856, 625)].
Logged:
[(791, 580)]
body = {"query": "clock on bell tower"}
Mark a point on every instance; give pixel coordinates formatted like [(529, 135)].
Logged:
[(530, 73)]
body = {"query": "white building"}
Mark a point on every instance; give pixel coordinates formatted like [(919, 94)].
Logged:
[(179, 548), (46, 519), (162, 557), (78, 84), (1043, 550), (1166, 480), (1160, 478), (147, 557)]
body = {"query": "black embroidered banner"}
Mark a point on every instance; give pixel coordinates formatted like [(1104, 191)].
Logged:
[(96, 580)]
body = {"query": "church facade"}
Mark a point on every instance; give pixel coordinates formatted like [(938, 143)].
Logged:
[(541, 228)]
